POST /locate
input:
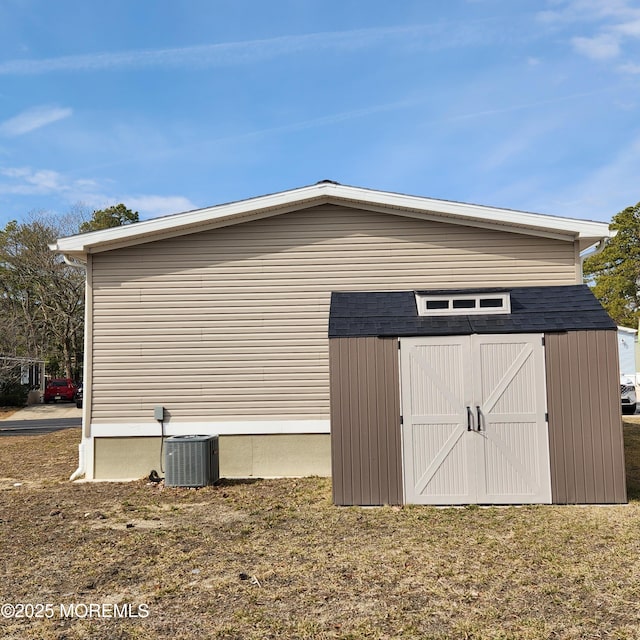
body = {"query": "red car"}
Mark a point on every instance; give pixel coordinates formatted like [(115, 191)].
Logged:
[(60, 389)]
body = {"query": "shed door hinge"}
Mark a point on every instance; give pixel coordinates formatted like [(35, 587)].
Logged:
[(398, 345), (546, 417), (543, 341), (401, 420)]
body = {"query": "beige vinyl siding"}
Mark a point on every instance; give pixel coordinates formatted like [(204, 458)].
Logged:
[(231, 324)]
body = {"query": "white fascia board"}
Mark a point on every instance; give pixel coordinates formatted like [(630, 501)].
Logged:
[(188, 222), (480, 213), (627, 330), (273, 204)]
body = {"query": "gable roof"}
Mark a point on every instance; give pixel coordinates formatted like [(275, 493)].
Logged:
[(533, 309), (586, 232)]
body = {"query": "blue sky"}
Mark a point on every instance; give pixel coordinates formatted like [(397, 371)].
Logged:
[(170, 105)]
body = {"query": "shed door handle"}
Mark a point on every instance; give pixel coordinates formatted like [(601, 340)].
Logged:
[(469, 418), (479, 418)]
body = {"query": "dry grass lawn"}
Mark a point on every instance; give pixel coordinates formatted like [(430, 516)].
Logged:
[(275, 559)]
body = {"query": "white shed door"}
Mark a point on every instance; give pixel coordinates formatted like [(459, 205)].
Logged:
[(474, 428)]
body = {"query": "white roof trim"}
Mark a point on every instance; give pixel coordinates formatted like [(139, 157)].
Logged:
[(627, 330), (234, 212)]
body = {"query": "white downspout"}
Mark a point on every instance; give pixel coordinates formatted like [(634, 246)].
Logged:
[(80, 471)]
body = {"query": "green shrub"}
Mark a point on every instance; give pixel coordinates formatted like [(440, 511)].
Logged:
[(13, 394)]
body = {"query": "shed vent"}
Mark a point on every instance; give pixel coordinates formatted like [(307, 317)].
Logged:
[(463, 304), (191, 461)]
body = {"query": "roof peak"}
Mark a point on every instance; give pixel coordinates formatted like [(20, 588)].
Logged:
[(566, 229)]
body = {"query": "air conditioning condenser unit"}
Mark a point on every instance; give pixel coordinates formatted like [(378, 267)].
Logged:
[(191, 461)]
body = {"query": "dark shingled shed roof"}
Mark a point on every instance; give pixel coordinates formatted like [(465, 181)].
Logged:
[(533, 310)]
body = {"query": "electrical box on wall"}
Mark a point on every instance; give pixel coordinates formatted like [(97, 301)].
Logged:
[(158, 413)]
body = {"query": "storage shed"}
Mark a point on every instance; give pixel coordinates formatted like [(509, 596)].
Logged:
[(462, 396)]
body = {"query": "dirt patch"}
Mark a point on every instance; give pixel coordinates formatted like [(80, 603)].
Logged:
[(163, 516), (275, 559)]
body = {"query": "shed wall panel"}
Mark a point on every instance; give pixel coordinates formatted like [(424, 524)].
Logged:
[(365, 421), (231, 323), (585, 427)]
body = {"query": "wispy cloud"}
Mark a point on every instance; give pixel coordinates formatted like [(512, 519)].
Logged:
[(150, 206), (602, 47), (616, 22), (433, 36), (143, 155), (630, 28), (607, 189), (630, 67), (526, 105), (573, 11), (334, 118), (33, 119), (223, 54), (517, 145), (404, 105), (25, 181)]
